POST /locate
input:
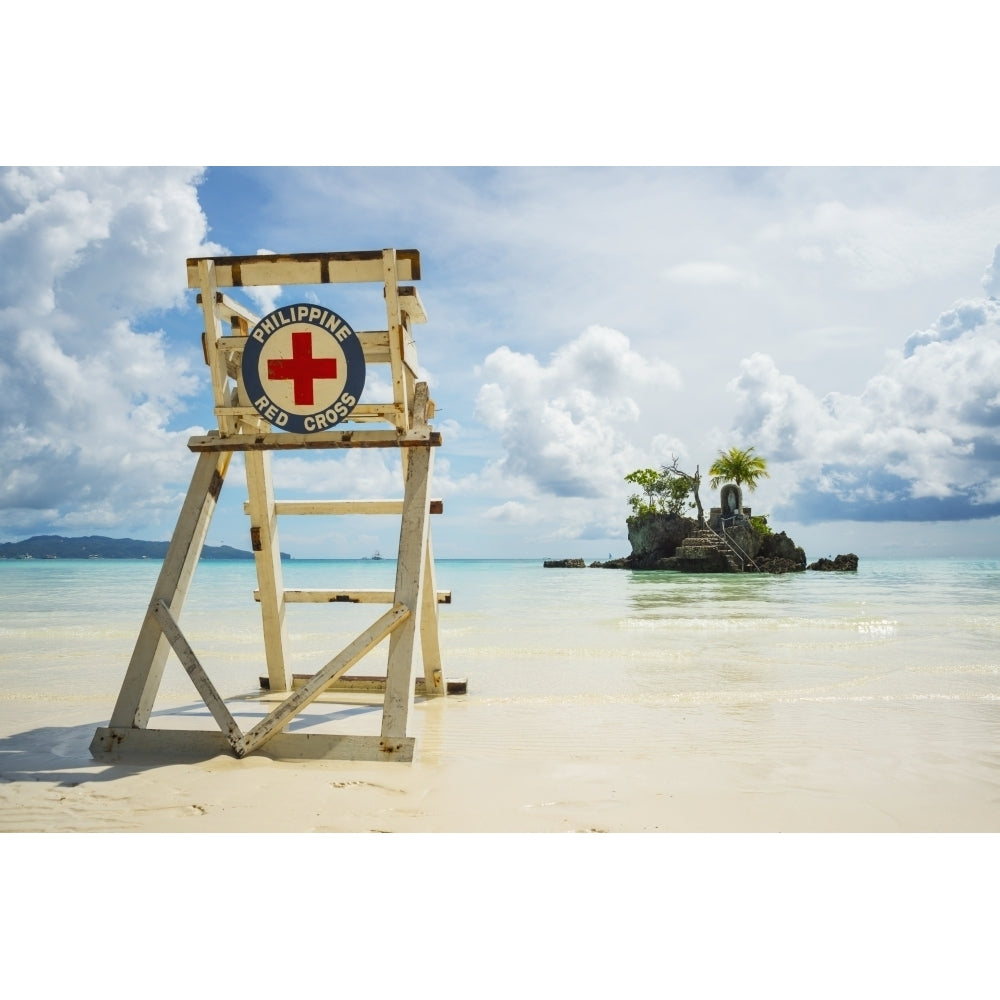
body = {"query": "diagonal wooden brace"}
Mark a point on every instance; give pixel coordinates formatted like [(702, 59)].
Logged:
[(313, 688), (196, 672), (145, 669)]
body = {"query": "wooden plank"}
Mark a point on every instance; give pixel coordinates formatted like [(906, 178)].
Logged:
[(409, 353), (362, 413), (371, 412), (305, 268), (430, 642), (345, 507), (374, 344), (348, 596), (283, 441), (244, 412), (408, 367), (231, 359), (249, 421), (231, 309), (267, 557), (189, 661), (145, 669), (418, 414), (409, 302), (410, 566), (114, 744), (387, 625), (394, 322), (216, 361), (231, 344), (366, 684), (375, 350)]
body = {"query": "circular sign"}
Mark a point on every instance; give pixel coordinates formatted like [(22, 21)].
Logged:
[(303, 368)]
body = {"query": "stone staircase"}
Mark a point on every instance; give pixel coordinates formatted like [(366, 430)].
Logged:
[(706, 551)]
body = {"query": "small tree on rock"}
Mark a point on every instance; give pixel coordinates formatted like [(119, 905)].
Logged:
[(677, 496), (662, 494), (687, 482), (651, 483)]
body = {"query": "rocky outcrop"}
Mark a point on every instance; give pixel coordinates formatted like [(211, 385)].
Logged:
[(662, 541), (655, 537), (773, 564), (842, 564), (779, 554), (665, 541), (564, 564)]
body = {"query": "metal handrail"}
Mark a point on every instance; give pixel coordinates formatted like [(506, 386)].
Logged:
[(745, 557)]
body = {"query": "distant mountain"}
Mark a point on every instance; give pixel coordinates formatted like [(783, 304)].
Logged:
[(99, 547)]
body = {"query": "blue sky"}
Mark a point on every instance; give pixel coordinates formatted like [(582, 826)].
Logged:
[(582, 322)]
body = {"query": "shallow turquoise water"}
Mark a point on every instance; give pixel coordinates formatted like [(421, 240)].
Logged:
[(900, 658)]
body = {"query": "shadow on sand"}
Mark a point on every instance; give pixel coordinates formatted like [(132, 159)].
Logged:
[(61, 754)]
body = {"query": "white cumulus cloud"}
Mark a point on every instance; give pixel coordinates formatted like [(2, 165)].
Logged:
[(567, 427), (88, 387), (921, 442)]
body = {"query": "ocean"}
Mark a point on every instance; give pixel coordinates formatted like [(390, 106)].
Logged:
[(802, 681)]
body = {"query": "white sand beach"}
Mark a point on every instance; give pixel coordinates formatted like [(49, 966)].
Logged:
[(822, 703), (489, 768)]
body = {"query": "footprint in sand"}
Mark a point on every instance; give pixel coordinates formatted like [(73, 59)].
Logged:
[(366, 784)]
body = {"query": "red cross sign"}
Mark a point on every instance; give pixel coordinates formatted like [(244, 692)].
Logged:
[(303, 368)]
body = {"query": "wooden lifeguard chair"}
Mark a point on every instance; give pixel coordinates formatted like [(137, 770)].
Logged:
[(232, 341)]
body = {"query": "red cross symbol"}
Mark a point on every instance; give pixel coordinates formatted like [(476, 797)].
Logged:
[(302, 368)]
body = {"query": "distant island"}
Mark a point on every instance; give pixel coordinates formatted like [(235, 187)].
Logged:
[(100, 547), (730, 540)]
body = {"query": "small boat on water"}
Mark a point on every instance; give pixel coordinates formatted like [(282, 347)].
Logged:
[(374, 555)]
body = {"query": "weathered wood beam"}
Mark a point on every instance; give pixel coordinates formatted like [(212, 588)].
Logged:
[(348, 596), (410, 564), (430, 642), (189, 661), (267, 557), (206, 276), (228, 308), (394, 321), (231, 309), (118, 743), (409, 302), (365, 684), (374, 343), (344, 507), (305, 268), (313, 688), (323, 439), (149, 657), (363, 413)]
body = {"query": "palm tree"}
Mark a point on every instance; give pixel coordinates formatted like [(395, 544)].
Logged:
[(738, 465)]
